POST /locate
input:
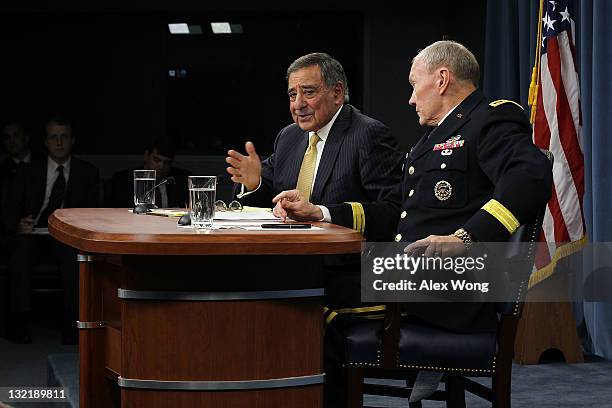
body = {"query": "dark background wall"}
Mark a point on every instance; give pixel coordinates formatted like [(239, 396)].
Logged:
[(107, 67)]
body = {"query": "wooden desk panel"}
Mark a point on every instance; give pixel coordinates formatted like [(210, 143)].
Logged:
[(138, 277)]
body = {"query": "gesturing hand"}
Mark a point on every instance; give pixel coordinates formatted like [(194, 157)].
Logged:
[(245, 169), (290, 204)]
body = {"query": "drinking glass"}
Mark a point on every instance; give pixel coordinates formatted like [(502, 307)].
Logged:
[(202, 193), (144, 181)]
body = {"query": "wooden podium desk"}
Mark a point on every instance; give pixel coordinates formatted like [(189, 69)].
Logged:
[(172, 317)]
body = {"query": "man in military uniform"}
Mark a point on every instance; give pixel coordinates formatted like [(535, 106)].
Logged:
[(474, 176)]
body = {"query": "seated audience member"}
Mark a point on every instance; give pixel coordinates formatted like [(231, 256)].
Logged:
[(15, 141), (59, 181), (159, 157)]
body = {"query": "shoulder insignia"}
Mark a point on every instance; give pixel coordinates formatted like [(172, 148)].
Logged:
[(498, 102)]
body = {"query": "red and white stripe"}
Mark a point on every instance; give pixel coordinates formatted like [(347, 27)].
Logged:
[(557, 127)]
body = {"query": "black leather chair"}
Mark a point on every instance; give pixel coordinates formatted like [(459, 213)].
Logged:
[(399, 348)]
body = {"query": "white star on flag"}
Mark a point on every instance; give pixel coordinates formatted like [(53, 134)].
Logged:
[(554, 3), (566, 15), (549, 23)]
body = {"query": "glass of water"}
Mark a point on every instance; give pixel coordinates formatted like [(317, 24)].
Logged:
[(144, 181), (202, 193)]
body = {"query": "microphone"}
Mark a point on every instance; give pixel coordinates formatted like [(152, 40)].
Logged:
[(146, 207)]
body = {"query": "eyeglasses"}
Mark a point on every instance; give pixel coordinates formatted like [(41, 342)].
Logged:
[(233, 206)]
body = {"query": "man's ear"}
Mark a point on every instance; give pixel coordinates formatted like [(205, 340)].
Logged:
[(443, 80), (339, 91)]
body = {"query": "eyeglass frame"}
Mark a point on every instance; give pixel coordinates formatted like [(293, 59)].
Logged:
[(234, 206)]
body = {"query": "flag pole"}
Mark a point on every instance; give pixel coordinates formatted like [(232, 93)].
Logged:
[(535, 72)]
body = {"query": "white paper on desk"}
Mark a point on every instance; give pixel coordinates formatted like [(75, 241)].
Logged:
[(236, 224), (262, 215)]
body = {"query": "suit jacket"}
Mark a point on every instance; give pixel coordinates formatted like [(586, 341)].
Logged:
[(27, 192), (481, 152), (119, 192), (361, 162), (8, 171)]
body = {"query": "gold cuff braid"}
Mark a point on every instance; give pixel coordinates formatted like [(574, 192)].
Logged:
[(358, 217), (502, 214)]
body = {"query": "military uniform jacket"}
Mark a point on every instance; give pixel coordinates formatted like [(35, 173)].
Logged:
[(478, 170)]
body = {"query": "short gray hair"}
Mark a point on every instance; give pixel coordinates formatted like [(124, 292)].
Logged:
[(331, 69), (456, 57)]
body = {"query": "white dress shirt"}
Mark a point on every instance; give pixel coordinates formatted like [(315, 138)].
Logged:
[(323, 133), (27, 158), (52, 175)]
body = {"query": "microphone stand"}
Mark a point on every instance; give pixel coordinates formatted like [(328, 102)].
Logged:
[(147, 207)]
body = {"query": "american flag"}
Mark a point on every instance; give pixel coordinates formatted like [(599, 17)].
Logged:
[(557, 128)]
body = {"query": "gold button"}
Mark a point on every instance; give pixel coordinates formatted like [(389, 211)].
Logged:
[(398, 237), (443, 166), (403, 214), (407, 154), (411, 170), (410, 193)]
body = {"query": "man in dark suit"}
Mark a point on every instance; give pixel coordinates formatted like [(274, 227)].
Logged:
[(331, 154), (15, 141), (159, 157), (474, 176), (60, 181)]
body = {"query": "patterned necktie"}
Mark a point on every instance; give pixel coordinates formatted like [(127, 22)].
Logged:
[(305, 179), (56, 198)]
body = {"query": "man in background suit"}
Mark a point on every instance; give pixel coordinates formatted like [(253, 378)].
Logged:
[(59, 181), (15, 141), (331, 154), (159, 157)]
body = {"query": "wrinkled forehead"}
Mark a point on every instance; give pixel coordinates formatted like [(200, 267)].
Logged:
[(307, 76), (418, 69)]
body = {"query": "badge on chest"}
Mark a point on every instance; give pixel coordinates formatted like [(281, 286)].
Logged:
[(443, 190)]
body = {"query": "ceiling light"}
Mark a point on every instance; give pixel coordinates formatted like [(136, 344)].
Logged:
[(178, 28), (221, 28)]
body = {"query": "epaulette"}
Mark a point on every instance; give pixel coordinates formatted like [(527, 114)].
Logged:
[(498, 102)]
